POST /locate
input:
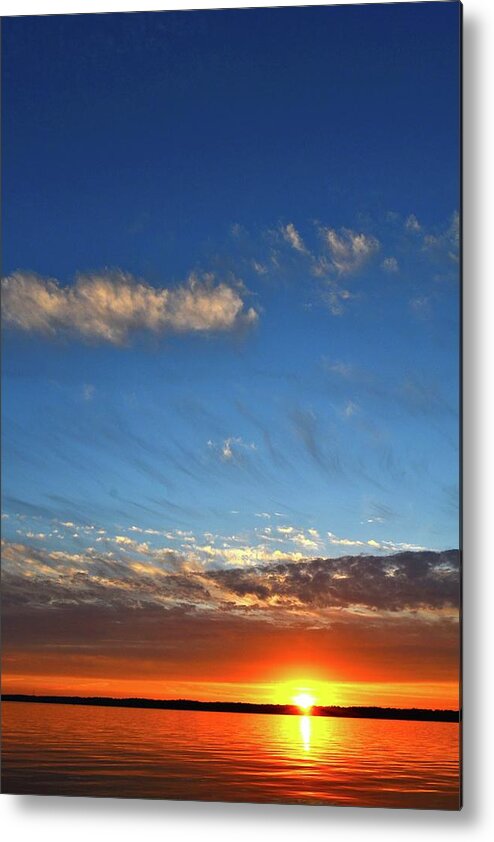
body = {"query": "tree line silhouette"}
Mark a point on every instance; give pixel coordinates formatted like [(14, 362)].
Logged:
[(353, 711)]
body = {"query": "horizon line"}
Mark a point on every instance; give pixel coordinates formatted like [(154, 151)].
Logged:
[(289, 709)]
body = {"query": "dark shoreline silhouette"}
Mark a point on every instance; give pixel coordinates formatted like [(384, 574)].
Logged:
[(352, 712)]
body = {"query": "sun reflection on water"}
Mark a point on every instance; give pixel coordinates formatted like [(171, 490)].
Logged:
[(305, 731)]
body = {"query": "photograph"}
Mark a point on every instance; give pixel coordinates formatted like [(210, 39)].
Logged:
[(231, 405)]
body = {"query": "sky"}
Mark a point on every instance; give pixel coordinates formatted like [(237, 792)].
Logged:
[(231, 352)]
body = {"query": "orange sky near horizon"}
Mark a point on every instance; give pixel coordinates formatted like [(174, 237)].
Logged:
[(256, 662), (433, 695)]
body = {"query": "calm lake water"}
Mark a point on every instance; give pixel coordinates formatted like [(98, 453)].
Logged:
[(203, 756)]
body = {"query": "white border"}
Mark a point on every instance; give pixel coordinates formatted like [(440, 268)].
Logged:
[(51, 7), (54, 819)]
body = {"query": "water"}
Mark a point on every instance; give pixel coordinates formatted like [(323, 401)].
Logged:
[(69, 750)]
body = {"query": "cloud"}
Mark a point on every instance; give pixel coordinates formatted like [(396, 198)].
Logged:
[(423, 397), (351, 408), (335, 298), (308, 543), (250, 555), (259, 268), (345, 370), (382, 546), (237, 230), (229, 449), (110, 306), (390, 264), (349, 249), (291, 235), (377, 512), (421, 306), (418, 393), (412, 223), (307, 430), (446, 241), (403, 582)]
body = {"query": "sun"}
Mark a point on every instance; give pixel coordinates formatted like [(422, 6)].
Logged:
[(304, 701)]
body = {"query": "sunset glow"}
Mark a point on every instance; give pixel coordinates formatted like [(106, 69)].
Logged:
[(304, 701)]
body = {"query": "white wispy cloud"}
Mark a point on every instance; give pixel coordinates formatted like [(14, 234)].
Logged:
[(343, 369), (421, 306), (447, 240), (412, 223), (110, 306), (390, 264), (349, 250), (292, 236), (381, 546), (259, 268), (307, 542), (231, 447), (351, 408), (335, 299)]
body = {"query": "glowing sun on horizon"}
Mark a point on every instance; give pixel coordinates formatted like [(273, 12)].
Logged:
[(304, 701)]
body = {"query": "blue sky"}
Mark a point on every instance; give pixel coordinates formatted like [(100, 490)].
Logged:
[(231, 296)]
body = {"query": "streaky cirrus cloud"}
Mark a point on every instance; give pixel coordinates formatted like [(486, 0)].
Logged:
[(292, 236), (110, 306)]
